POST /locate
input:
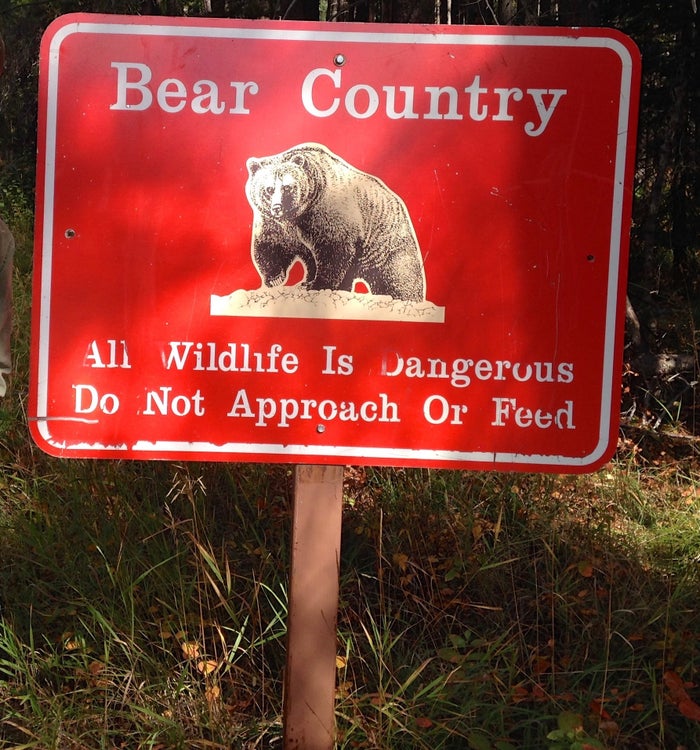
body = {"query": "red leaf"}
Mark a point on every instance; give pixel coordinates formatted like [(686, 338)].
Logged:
[(597, 708), (675, 686), (679, 695), (689, 709)]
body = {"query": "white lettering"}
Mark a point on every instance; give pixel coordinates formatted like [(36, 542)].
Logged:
[(544, 112), (342, 365), (172, 95), (179, 404), (322, 96), (172, 88), (445, 409), (241, 406), (207, 99), (434, 111), (372, 102), (328, 410), (117, 355), (240, 89), (507, 410), (267, 408), (289, 409), (108, 403), (565, 372), (233, 358), (124, 85), (461, 372), (307, 98), (407, 113), (281, 413), (474, 90), (363, 101), (368, 412), (505, 95)]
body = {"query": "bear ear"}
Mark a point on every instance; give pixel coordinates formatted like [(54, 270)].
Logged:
[(253, 166), (298, 159)]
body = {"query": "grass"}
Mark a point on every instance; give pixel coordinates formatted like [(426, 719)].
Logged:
[(143, 605)]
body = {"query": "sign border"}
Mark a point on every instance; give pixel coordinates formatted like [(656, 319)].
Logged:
[(310, 32)]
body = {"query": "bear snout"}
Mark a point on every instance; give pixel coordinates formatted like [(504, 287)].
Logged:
[(277, 201), (282, 204)]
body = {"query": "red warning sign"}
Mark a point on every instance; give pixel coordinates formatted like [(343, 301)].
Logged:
[(332, 243)]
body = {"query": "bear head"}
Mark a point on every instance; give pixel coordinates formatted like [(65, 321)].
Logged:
[(281, 187)]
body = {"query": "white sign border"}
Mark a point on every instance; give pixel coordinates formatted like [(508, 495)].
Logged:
[(144, 449)]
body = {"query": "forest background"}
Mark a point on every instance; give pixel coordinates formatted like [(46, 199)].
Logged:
[(143, 605)]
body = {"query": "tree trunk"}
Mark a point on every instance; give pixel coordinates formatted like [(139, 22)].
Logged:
[(506, 11), (302, 10)]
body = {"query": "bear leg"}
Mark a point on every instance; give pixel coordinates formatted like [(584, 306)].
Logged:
[(272, 263), (332, 272), (401, 277)]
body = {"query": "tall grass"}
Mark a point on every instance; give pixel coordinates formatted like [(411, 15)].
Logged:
[(143, 605)]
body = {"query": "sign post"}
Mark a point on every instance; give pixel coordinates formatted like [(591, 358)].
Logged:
[(222, 273), (309, 698)]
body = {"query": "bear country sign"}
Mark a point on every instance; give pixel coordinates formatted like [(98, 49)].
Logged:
[(331, 243)]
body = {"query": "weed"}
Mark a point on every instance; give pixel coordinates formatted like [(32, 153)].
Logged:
[(570, 735)]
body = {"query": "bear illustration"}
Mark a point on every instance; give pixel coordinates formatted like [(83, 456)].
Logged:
[(343, 224)]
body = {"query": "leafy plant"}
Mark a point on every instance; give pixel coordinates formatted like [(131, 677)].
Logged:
[(570, 735)]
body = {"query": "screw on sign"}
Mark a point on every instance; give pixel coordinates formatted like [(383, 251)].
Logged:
[(444, 288)]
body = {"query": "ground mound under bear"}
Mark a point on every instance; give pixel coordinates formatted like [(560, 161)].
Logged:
[(343, 224)]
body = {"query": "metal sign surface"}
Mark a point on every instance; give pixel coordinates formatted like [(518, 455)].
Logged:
[(331, 243)]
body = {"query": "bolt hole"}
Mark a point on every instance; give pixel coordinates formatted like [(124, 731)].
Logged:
[(321, 428), (70, 233), (590, 258), (339, 60)]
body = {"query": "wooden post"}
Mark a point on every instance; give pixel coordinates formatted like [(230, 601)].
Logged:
[(309, 698)]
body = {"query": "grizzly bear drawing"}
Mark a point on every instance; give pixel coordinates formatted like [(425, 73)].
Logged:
[(344, 225)]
